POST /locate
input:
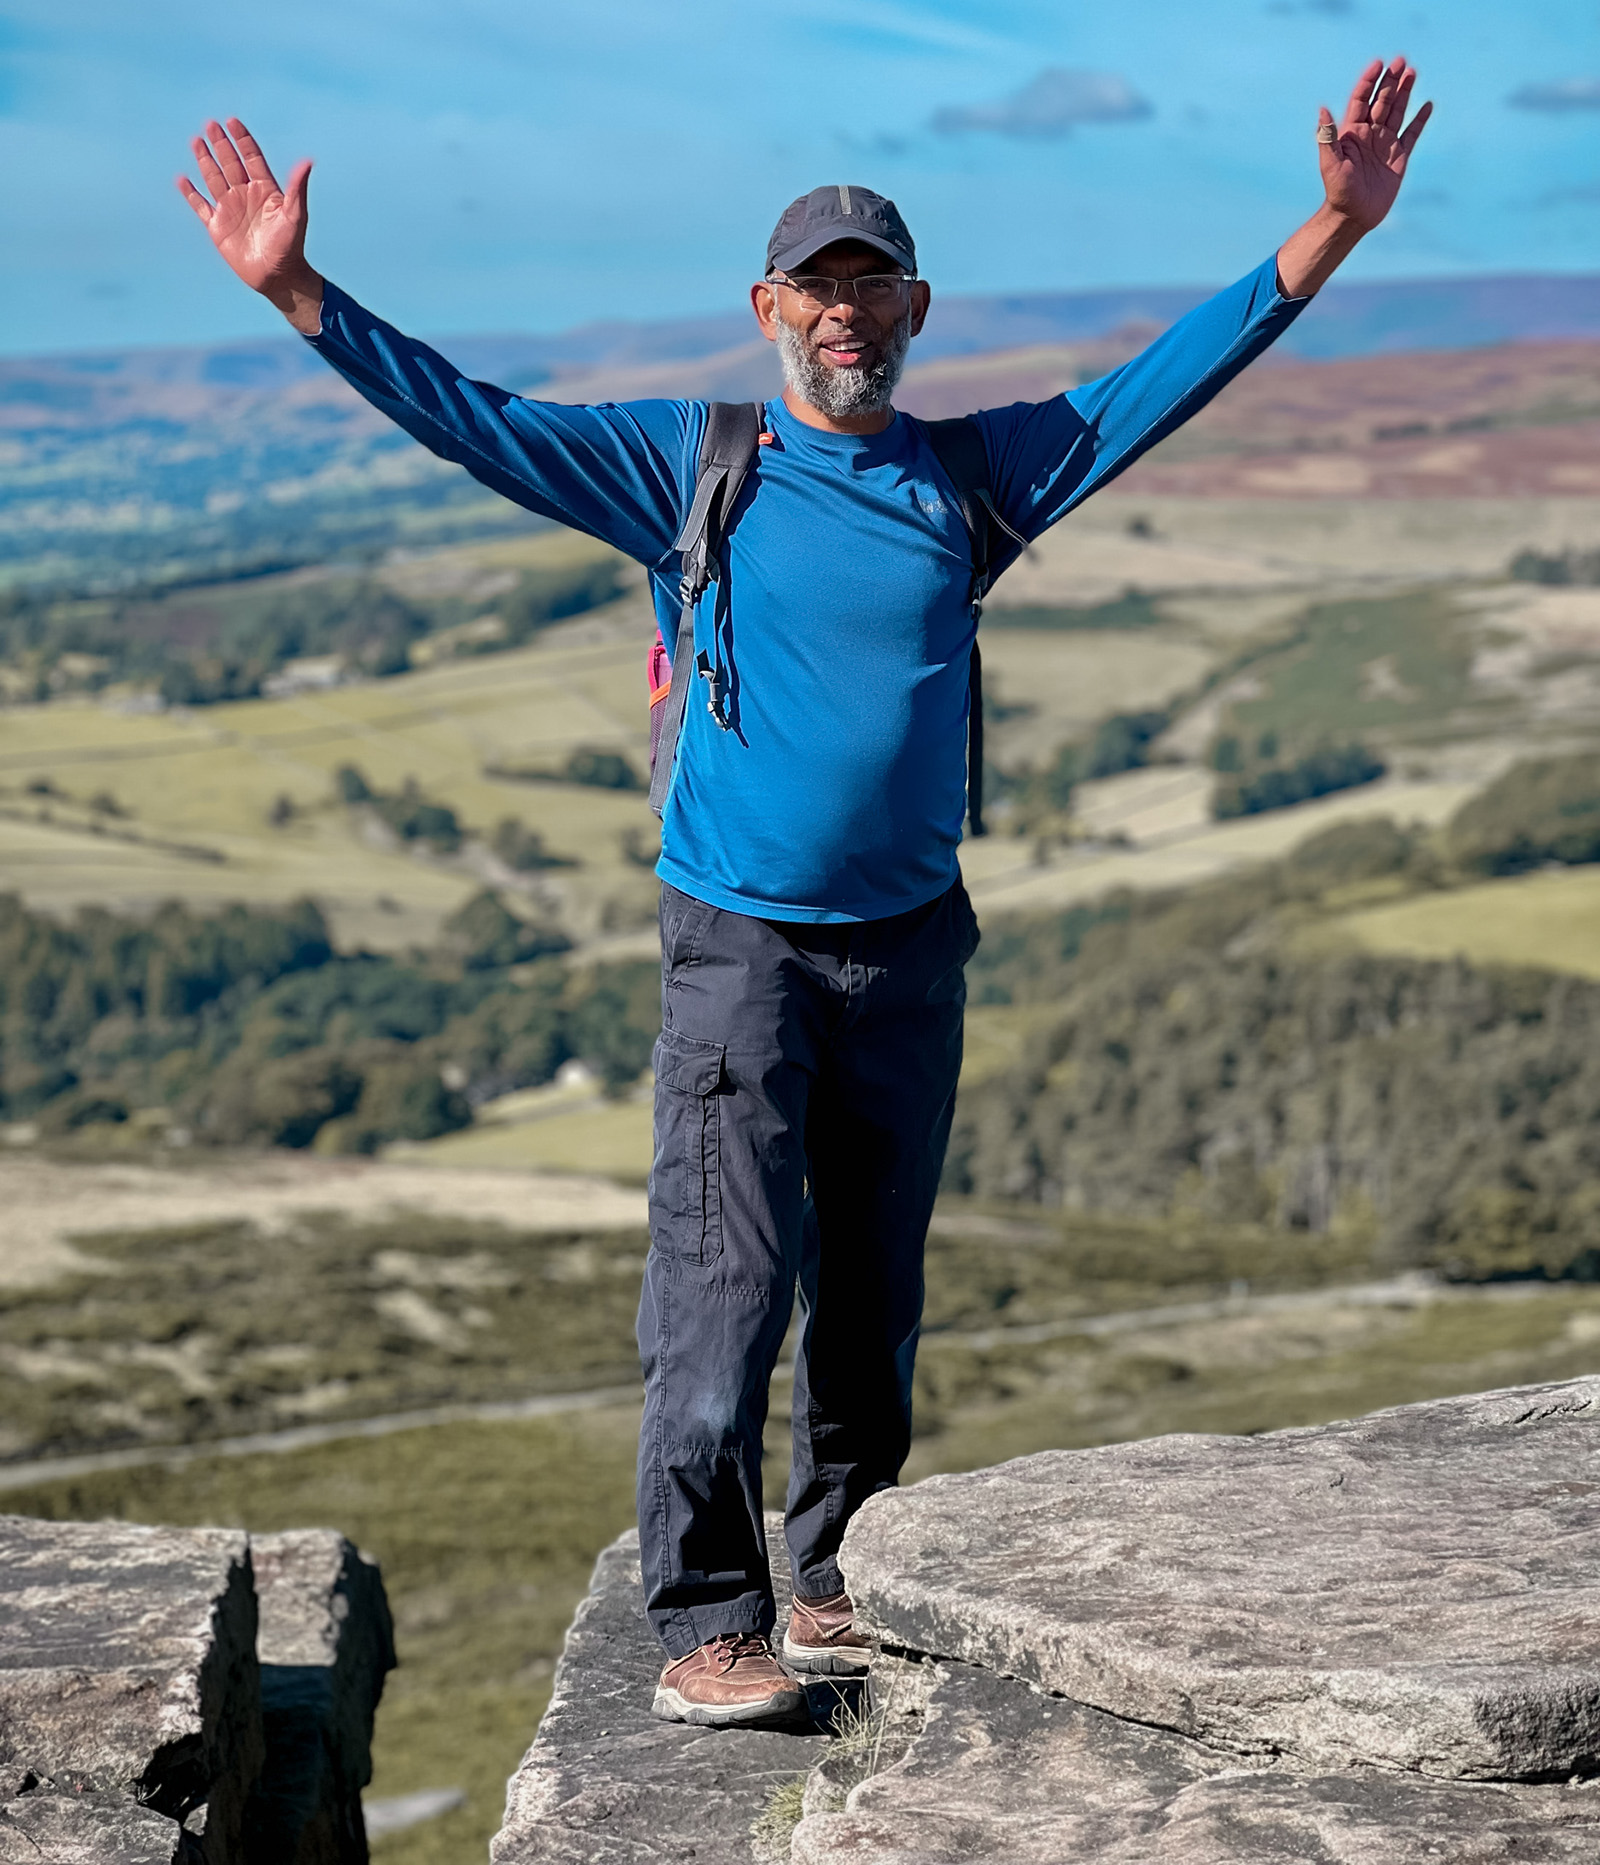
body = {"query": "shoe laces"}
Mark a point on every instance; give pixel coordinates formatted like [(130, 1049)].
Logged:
[(729, 1647)]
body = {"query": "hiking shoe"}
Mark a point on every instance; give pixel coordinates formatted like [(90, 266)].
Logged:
[(822, 1637), (733, 1679)]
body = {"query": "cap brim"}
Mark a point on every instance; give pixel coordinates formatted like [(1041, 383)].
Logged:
[(814, 243)]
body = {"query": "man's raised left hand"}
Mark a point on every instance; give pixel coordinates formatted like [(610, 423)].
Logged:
[(1364, 161), (1363, 164)]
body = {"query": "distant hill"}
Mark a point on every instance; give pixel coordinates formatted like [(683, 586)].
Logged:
[(1513, 420), (155, 463), (1346, 320)]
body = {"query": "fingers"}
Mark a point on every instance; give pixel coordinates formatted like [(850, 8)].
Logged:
[(227, 156), (1419, 123), (1359, 109), (195, 199), (295, 194), (1388, 107), (1396, 114), (1382, 96), (210, 174), (255, 163)]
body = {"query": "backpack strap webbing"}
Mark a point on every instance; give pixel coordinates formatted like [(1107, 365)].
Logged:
[(958, 446), (733, 432)]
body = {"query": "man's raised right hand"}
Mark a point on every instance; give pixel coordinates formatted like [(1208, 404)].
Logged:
[(258, 227)]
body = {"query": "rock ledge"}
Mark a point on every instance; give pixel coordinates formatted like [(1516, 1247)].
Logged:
[(1367, 1643), (186, 1695)]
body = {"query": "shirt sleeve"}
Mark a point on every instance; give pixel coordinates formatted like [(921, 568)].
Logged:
[(1047, 457), (617, 471)]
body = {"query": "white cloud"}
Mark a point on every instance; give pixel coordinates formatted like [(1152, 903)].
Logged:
[(1564, 94), (1052, 104)]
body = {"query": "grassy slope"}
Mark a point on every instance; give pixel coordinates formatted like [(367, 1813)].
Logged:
[(1395, 667), (611, 1138), (1005, 875), (209, 778), (1550, 919), (1320, 545), (1068, 680)]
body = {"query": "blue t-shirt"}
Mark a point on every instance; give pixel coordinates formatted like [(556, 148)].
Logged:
[(840, 620)]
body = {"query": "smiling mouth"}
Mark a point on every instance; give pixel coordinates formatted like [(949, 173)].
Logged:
[(844, 355)]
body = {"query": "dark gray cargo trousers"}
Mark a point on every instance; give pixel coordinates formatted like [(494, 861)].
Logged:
[(805, 1080)]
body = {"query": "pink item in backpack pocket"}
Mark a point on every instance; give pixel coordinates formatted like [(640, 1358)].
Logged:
[(658, 675)]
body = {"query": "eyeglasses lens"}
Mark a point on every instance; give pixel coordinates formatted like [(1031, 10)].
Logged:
[(877, 288)]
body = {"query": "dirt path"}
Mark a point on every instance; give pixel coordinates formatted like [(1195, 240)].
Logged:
[(306, 1437), (1411, 1290)]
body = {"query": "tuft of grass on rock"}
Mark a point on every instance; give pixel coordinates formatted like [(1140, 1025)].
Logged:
[(772, 1830)]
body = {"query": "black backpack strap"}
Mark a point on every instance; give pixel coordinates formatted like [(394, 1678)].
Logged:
[(958, 446), (733, 433)]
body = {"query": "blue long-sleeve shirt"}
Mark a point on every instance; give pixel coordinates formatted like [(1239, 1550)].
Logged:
[(841, 619)]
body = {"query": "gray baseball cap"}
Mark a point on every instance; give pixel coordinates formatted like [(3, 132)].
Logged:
[(824, 215)]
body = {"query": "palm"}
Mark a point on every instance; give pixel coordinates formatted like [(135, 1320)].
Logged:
[(253, 232), (1363, 168), (258, 227)]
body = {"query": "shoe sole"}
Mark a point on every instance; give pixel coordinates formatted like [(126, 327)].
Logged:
[(782, 1707), (824, 1660)]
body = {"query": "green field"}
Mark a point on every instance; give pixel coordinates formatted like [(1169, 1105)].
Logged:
[(196, 790), (1044, 686), (609, 1138), (1393, 666), (1550, 919)]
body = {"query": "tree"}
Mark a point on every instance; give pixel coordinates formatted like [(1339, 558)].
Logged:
[(1543, 809)]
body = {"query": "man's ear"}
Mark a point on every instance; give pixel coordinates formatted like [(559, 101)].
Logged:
[(764, 302), (920, 298)]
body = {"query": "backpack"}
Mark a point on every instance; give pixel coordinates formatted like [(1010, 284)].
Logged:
[(733, 435)]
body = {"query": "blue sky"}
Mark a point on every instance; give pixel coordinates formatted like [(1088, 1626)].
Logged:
[(496, 165)]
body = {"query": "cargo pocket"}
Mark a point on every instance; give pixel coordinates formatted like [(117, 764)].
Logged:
[(686, 1181)]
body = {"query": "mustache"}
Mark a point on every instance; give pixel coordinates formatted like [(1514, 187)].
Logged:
[(848, 338)]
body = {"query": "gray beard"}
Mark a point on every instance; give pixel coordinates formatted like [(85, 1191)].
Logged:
[(839, 392)]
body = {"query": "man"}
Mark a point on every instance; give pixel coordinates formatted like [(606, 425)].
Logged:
[(813, 923)]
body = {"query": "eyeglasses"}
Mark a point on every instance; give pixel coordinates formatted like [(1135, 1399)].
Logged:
[(877, 288)]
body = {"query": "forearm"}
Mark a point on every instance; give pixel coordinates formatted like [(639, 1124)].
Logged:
[(1311, 256), (1097, 430), (299, 296)]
